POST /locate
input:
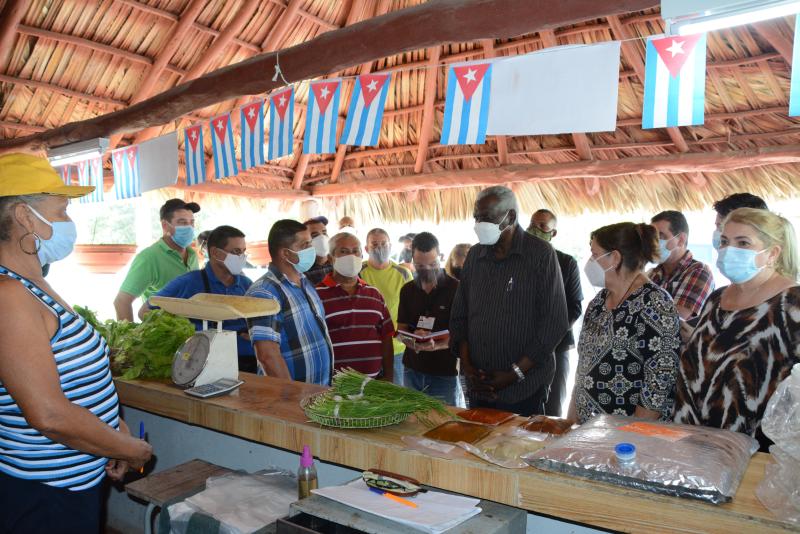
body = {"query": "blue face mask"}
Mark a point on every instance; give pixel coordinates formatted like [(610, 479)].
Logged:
[(716, 237), (60, 244), (664, 251), (738, 264), (306, 258), (183, 236)]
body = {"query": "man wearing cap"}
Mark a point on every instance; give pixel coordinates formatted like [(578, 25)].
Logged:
[(164, 260), (318, 227)]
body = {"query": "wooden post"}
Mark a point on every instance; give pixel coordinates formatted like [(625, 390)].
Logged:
[(426, 129), (300, 170), (489, 52)]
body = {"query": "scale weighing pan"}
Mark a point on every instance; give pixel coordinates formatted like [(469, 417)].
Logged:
[(210, 355)]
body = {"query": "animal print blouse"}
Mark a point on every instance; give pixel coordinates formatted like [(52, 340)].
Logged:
[(735, 360)]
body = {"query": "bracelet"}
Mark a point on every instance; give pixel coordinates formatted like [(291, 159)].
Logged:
[(518, 371)]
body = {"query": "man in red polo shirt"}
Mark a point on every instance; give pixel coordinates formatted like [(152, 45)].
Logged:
[(358, 320)]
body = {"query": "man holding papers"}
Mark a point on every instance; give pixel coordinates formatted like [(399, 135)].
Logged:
[(423, 320)]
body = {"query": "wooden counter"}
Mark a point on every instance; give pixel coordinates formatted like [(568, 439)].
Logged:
[(267, 410)]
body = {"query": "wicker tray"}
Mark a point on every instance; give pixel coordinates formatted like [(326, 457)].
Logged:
[(349, 422)]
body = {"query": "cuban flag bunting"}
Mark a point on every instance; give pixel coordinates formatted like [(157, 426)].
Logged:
[(90, 172), (281, 123), (364, 117), (466, 108), (66, 174), (674, 81), (321, 117), (252, 135), (222, 146), (794, 90), (125, 163), (195, 155)]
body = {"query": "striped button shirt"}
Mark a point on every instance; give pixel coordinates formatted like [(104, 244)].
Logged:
[(357, 323), (690, 283), (299, 327), (510, 308), (81, 358)]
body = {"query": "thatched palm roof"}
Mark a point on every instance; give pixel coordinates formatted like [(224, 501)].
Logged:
[(71, 60)]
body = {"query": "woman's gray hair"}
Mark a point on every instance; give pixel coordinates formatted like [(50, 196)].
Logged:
[(6, 205), (506, 200), (332, 242)]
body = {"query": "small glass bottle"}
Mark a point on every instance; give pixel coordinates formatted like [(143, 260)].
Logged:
[(307, 474)]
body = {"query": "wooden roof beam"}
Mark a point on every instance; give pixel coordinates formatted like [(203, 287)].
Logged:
[(428, 113), (10, 17), (771, 31), (249, 192), (300, 171), (278, 31), (62, 90), (633, 55), (706, 162), (22, 127), (490, 52)]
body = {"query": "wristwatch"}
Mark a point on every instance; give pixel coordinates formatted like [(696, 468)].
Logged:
[(518, 371)]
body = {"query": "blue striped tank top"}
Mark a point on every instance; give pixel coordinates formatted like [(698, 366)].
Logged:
[(81, 357)]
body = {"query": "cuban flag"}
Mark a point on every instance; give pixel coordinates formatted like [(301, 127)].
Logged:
[(674, 81), (365, 114), (66, 174), (253, 135), (195, 155), (90, 172), (321, 117), (466, 107), (222, 146), (125, 164), (281, 123), (794, 90)]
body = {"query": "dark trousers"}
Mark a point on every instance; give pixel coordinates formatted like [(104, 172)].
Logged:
[(32, 507), (533, 405), (558, 389), (248, 364)]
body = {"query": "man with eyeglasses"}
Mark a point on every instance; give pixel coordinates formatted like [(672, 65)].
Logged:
[(163, 261), (425, 304)]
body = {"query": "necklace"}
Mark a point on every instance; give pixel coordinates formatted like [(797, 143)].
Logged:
[(627, 292)]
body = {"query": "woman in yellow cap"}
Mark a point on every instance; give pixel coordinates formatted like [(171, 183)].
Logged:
[(60, 429)]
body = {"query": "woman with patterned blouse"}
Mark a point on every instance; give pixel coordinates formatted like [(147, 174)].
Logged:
[(748, 334), (628, 347)]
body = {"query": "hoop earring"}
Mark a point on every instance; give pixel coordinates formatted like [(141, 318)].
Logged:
[(37, 241)]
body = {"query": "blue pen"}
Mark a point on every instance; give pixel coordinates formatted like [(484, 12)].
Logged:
[(141, 436)]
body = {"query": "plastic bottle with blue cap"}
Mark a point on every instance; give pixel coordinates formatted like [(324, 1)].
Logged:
[(626, 454)]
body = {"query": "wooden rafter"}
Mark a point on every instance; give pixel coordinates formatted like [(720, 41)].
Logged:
[(708, 162), (632, 54), (62, 90), (428, 113), (10, 17), (582, 144), (423, 25), (771, 31), (490, 52)]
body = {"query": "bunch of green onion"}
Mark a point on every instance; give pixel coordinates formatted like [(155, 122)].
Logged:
[(355, 395)]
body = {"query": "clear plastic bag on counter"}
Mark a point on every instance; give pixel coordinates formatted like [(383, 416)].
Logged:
[(681, 460), (781, 421), (435, 448), (507, 449), (779, 490)]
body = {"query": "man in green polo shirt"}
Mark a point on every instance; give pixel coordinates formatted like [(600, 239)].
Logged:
[(164, 260)]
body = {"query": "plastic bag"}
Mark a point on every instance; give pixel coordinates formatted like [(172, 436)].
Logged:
[(507, 449), (779, 491), (681, 460)]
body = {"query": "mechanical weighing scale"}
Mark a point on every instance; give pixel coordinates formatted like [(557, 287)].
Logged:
[(211, 355)]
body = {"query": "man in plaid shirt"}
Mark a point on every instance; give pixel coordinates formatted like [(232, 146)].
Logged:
[(688, 281)]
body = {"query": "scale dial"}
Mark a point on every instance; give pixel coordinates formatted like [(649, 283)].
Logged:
[(190, 360)]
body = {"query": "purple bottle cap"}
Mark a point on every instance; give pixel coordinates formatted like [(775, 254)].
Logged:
[(306, 460)]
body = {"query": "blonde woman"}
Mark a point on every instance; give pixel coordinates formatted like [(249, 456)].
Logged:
[(455, 262), (748, 334)]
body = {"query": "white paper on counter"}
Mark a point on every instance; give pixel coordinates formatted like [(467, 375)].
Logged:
[(435, 511)]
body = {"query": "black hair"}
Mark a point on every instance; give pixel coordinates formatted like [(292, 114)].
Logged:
[(174, 204), (547, 212), (282, 235), (739, 200), (637, 243), (218, 237), (424, 242), (677, 221)]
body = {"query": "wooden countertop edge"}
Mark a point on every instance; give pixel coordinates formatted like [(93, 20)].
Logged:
[(534, 490)]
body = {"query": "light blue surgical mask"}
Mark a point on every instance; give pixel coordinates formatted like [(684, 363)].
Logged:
[(716, 238), (183, 236), (738, 264), (61, 242), (664, 251), (305, 259)]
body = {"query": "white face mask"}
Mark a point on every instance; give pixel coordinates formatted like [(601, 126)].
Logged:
[(235, 263), (347, 266), (320, 244), (595, 272), (489, 233)]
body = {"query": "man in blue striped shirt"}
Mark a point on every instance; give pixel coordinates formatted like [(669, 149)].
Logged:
[(294, 343)]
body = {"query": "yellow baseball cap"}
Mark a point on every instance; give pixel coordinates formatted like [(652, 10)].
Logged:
[(25, 174)]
